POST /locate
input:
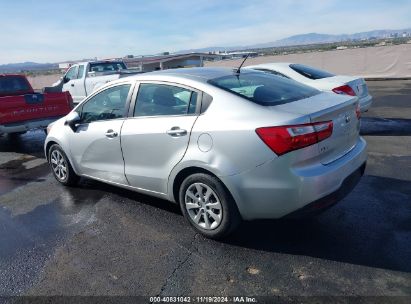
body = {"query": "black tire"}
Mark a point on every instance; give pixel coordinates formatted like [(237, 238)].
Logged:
[(70, 178), (230, 217)]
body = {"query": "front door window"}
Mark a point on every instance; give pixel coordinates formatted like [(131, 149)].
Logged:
[(108, 104)]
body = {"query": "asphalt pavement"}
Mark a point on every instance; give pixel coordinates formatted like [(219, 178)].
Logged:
[(96, 239)]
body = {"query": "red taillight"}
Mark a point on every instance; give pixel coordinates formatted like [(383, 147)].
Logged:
[(345, 90), (289, 138)]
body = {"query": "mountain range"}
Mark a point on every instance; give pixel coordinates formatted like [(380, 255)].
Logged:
[(27, 66), (304, 39)]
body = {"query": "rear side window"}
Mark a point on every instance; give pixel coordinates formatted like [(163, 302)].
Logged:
[(264, 89), (107, 67), (10, 84), (159, 99), (310, 72)]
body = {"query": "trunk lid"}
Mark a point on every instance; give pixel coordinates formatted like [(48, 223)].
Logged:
[(339, 109), (358, 84)]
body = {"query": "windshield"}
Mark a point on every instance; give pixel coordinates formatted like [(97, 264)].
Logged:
[(310, 72), (107, 66), (264, 89)]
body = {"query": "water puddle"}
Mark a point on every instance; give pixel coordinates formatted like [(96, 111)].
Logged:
[(29, 238), (18, 172)]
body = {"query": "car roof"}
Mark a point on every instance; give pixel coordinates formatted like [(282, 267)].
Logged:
[(272, 65)]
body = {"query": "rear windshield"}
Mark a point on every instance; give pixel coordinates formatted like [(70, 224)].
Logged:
[(310, 72), (10, 84), (107, 66), (264, 89)]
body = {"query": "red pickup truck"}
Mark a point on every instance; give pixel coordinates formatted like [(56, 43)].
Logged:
[(22, 109)]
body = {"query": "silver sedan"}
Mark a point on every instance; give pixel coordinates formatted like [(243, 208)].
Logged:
[(226, 145), (321, 80)]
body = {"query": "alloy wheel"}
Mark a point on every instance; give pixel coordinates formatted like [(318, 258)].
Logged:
[(203, 206), (59, 165)]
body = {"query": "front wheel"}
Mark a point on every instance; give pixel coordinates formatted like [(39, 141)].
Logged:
[(61, 167), (208, 206)]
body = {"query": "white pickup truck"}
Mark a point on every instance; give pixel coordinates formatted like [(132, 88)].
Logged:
[(83, 78)]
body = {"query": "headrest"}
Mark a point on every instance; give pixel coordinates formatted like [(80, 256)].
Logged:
[(164, 96)]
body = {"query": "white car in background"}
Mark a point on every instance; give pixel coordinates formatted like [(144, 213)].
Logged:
[(321, 80)]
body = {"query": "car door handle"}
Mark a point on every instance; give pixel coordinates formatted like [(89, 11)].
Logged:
[(176, 132), (72, 84), (111, 134)]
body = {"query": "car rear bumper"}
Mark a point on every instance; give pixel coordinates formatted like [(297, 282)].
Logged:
[(276, 189), (24, 126), (331, 199), (365, 103)]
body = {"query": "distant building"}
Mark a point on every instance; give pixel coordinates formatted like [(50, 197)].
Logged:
[(167, 61), (241, 54)]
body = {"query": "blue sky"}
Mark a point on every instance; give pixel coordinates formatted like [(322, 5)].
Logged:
[(52, 31)]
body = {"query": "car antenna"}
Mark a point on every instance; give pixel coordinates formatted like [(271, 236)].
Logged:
[(241, 65)]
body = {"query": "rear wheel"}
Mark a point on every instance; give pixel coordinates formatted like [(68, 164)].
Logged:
[(208, 206), (61, 167)]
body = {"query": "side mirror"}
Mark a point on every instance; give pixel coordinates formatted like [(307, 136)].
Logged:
[(72, 119), (65, 79)]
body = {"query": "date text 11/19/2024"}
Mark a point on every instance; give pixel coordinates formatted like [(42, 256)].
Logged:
[(203, 299)]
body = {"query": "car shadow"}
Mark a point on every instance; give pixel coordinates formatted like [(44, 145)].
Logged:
[(370, 227), (385, 126), (131, 195)]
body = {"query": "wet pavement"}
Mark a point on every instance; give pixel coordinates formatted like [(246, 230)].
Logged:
[(96, 239)]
